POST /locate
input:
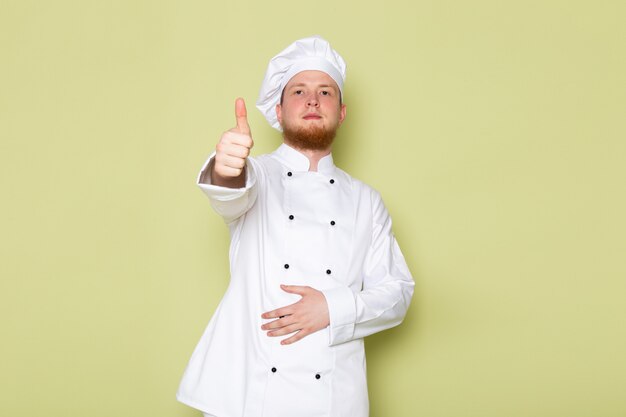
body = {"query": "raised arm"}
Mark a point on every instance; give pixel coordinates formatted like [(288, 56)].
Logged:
[(228, 176)]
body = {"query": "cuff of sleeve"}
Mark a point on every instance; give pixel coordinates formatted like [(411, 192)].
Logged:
[(218, 193), (342, 313)]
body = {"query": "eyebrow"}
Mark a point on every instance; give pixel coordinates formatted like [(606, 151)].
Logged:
[(306, 85)]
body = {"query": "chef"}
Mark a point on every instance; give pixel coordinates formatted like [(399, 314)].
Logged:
[(314, 263)]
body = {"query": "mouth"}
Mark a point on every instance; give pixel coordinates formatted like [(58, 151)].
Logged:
[(312, 116)]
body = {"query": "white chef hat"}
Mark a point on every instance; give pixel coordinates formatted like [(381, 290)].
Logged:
[(313, 53)]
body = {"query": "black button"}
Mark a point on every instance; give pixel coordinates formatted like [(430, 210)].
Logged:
[(332, 222), (328, 271), (317, 376), (291, 217), (289, 174), (273, 369), (332, 181), (286, 266)]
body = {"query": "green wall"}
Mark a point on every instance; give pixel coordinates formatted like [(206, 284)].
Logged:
[(493, 129)]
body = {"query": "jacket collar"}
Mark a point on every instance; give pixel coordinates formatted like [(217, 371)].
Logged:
[(297, 161)]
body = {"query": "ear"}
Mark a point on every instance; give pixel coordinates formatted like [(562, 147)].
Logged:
[(279, 114), (342, 113)]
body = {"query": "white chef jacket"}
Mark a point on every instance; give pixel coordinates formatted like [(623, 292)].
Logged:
[(290, 226)]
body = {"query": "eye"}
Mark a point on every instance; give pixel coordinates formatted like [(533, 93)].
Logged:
[(325, 93), (298, 92)]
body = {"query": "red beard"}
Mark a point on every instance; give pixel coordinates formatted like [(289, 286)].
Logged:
[(312, 138)]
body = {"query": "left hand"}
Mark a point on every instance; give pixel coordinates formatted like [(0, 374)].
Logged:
[(306, 316)]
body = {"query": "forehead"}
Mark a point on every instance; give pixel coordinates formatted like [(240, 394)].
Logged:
[(312, 78)]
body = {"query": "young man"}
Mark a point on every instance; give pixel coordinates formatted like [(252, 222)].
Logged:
[(314, 264)]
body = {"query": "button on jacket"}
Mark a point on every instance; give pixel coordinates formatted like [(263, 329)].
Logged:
[(290, 226)]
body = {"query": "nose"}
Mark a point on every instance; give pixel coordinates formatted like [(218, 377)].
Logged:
[(312, 101)]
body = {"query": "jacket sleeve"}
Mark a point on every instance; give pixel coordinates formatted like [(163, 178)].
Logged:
[(387, 287), (231, 203)]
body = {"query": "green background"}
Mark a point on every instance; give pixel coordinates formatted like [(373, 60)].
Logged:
[(493, 129)]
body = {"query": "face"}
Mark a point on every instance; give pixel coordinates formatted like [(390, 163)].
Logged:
[(311, 110)]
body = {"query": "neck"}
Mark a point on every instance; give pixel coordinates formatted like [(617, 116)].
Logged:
[(314, 155)]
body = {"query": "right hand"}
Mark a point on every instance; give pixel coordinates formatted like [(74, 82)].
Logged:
[(234, 145)]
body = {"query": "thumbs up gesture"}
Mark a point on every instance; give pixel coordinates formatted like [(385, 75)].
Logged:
[(232, 150)]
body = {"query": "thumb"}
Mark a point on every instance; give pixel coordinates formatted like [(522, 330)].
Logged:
[(294, 289), (241, 114)]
